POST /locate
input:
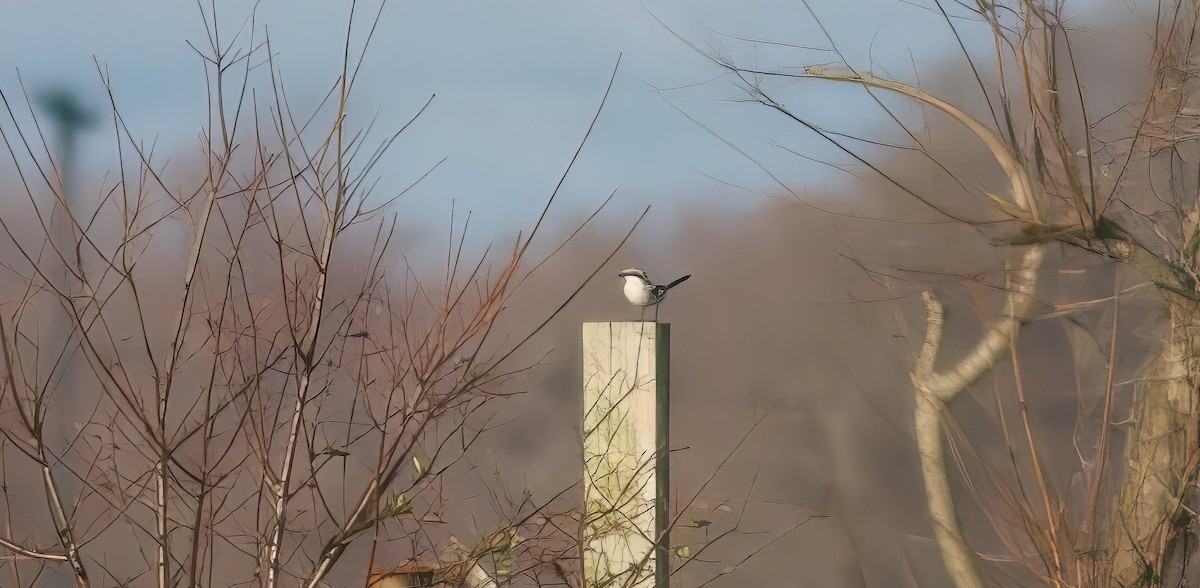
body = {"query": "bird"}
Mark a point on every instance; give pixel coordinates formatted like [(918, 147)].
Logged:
[(641, 291)]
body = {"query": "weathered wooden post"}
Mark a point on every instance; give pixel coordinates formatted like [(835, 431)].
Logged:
[(626, 380)]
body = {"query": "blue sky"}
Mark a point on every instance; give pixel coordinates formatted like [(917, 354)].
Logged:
[(516, 84)]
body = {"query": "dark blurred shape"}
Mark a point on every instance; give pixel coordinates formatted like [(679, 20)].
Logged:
[(70, 115), (66, 109)]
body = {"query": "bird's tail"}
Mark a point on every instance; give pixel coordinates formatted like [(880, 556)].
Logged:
[(676, 282)]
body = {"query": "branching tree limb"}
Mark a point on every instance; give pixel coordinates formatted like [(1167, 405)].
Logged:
[(935, 388)]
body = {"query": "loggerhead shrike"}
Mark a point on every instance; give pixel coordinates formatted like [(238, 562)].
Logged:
[(641, 291)]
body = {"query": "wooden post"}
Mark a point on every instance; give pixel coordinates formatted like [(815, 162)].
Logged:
[(626, 376)]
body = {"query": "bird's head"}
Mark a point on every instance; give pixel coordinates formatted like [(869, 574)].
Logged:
[(634, 272)]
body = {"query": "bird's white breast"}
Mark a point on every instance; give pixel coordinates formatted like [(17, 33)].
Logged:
[(637, 291)]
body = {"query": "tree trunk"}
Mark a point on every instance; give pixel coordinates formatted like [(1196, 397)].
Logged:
[(1161, 455)]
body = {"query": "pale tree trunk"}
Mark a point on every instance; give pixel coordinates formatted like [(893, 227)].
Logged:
[(1162, 453), (1161, 456)]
